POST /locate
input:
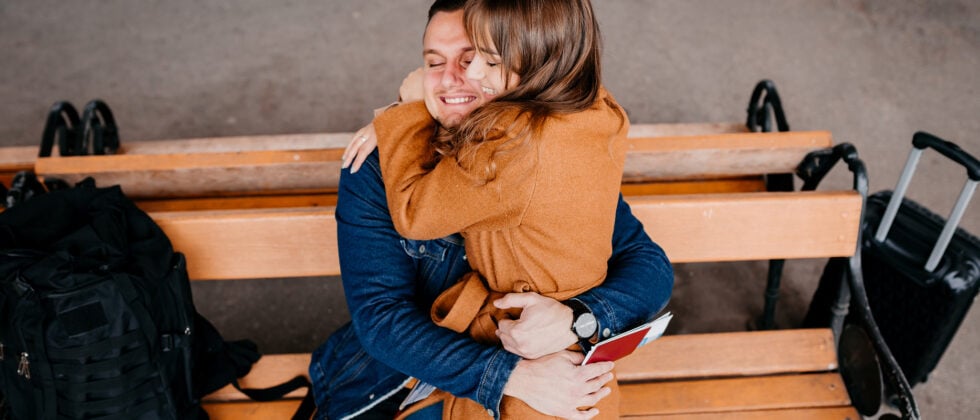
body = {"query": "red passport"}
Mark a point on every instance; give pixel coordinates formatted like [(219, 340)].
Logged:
[(623, 344)]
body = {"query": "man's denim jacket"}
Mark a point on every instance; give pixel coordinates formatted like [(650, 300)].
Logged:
[(390, 282)]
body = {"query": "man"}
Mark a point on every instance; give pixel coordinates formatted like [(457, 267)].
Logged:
[(390, 283)]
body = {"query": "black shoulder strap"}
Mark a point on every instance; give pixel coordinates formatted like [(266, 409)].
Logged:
[(306, 407)]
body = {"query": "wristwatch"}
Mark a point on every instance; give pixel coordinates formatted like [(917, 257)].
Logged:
[(585, 326)]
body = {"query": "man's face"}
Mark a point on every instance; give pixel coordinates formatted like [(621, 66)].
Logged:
[(446, 50)]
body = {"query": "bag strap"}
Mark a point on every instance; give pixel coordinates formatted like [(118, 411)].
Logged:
[(306, 407)]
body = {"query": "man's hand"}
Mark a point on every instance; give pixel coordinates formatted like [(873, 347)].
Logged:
[(411, 88), (545, 325), (556, 385)]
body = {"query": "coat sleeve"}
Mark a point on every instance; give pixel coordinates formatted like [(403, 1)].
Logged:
[(450, 198)]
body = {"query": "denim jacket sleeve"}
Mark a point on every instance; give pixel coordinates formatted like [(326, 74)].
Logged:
[(381, 285), (639, 282)]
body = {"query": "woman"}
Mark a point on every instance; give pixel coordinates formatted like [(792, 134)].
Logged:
[(531, 179)]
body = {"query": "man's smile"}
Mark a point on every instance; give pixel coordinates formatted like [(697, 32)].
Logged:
[(458, 100)]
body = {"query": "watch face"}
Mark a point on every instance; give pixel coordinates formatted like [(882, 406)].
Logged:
[(586, 325)]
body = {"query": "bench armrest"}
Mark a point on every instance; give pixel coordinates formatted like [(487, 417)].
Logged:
[(852, 291)]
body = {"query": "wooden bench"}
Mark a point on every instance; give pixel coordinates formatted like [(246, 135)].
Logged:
[(226, 235), (761, 374)]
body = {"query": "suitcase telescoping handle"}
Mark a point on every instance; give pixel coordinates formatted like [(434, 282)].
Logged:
[(920, 142)]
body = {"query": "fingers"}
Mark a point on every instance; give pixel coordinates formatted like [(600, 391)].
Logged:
[(591, 400), (510, 300), (595, 384), (359, 160), (351, 151), (583, 414), (516, 300), (357, 151), (594, 398), (595, 370), (348, 155)]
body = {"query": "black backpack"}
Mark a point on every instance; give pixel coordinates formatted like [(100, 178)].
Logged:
[(97, 315)]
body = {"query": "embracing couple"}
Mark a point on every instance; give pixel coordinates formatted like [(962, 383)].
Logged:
[(482, 237)]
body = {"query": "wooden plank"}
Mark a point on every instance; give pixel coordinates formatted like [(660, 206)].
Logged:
[(831, 413), (731, 354), (329, 198), (757, 226), (273, 243), (17, 158), (736, 394), (684, 129), (325, 199), (311, 141), (192, 174), (720, 155), (270, 370), (706, 186), (202, 174), (752, 353), (245, 244), (232, 144), (282, 409)]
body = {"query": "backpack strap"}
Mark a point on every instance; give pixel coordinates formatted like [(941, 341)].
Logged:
[(306, 407)]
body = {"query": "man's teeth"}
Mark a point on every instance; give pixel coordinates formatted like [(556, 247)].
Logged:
[(456, 101)]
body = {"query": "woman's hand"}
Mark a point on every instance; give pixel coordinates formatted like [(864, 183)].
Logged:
[(411, 88), (363, 143)]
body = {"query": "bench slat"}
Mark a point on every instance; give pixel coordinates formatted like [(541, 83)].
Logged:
[(189, 174), (832, 413), (712, 355), (684, 129), (736, 394), (705, 186), (308, 141), (16, 158), (282, 409), (202, 174), (249, 244), (760, 226), (719, 155), (276, 243), (326, 199), (670, 357)]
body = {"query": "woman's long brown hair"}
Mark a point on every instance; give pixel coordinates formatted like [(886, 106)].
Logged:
[(554, 46)]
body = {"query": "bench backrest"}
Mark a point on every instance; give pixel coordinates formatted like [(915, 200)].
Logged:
[(297, 242), (287, 229), (311, 163)]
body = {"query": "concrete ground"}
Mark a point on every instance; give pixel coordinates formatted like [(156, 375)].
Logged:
[(871, 71)]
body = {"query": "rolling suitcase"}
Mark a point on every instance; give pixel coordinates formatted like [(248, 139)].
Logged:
[(921, 272)]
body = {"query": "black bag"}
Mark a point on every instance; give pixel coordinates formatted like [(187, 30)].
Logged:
[(919, 286), (97, 315)]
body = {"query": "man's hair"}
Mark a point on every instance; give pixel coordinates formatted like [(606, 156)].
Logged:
[(445, 6)]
